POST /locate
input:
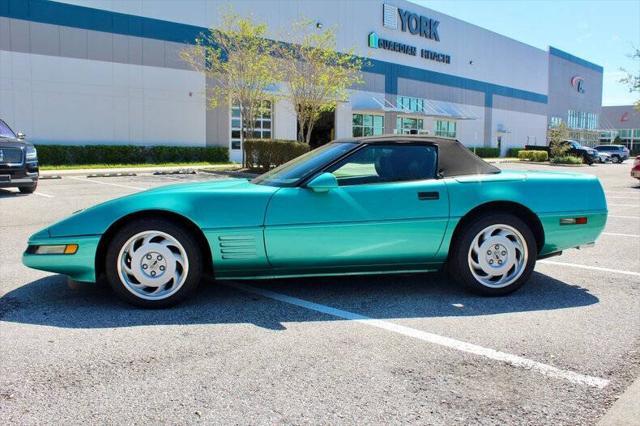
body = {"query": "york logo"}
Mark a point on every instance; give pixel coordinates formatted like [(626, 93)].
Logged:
[(578, 83), (409, 21)]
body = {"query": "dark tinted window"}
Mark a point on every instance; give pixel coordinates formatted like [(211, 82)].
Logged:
[(387, 163), (5, 131)]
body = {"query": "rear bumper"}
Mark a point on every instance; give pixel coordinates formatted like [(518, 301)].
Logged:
[(561, 237)]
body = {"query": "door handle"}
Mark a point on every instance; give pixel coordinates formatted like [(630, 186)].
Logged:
[(428, 195)]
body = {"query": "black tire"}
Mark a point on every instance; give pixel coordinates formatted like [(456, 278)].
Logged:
[(194, 258), (458, 265), (615, 159), (28, 189)]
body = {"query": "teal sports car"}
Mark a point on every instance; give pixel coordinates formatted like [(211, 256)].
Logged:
[(388, 204)]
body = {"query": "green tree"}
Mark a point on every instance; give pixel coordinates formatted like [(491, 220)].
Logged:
[(633, 80), (316, 74), (556, 136), (239, 62)]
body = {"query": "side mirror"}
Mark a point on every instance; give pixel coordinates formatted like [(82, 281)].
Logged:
[(323, 183), (21, 135)]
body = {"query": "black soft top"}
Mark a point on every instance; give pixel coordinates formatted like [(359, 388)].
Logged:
[(454, 159)]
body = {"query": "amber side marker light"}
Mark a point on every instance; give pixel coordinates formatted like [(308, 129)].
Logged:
[(54, 249), (573, 221)]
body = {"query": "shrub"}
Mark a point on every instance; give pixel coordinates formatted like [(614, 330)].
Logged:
[(533, 155), (56, 155), (485, 152), (513, 152), (566, 159), (268, 153)]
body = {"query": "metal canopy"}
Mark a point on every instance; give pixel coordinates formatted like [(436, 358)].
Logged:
[(430, 108)]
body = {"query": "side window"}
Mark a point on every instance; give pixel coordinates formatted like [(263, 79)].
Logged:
[(387, 163)]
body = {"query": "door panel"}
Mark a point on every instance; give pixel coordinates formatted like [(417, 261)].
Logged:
[(389, 223)]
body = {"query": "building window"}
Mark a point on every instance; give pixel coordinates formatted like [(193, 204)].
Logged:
[(262, 126), (368, 125), (445, 128), (408, 125), (555, 121), (582, 120), (411, 104)]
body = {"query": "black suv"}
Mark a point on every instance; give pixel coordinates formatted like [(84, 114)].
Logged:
[(18, 161), (618, 153), (588, 155)]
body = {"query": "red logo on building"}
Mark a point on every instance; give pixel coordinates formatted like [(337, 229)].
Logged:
[(578, 83)]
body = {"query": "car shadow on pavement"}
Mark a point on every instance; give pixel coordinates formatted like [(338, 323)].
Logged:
[(4, 193), (49, 301)]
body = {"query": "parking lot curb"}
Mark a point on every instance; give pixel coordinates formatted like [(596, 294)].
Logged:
[(149, 170), (626, 411)]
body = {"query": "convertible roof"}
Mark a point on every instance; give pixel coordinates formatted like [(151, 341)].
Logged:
[(454, 159)]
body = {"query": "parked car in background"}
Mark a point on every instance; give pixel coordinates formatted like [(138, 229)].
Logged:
[(588, 155), (635, 170), (618, 153), (603, 157), (354, 206), (18, 161)]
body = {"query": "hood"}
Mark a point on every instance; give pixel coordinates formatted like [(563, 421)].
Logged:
[(209, 204), (13, 143)]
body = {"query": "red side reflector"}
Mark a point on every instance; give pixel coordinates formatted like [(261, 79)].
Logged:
[(581, 220)]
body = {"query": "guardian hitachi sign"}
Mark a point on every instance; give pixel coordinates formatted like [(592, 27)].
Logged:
[(409, 21)]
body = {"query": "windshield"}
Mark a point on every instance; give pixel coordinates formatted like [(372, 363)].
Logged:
[(5, 131), (290, 173)]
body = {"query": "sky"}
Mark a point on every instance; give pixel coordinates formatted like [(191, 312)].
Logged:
[(604, 32)]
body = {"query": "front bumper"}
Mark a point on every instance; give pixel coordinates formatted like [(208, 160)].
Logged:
[(80, 266), (12, 176)]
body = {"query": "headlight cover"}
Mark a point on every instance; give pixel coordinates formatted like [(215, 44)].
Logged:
[(32, 154)]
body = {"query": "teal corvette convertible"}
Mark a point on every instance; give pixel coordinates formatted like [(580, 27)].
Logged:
[(388, 204)]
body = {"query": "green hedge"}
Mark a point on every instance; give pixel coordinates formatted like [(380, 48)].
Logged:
[(566, 159), (484, 152), (267, 153), (533, 155), (57, 155), (513, 152)]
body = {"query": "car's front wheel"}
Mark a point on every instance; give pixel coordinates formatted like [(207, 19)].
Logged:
[(28, 189), (153, 263), (494, 255)]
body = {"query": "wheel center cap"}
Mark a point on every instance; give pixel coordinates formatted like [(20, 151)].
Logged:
[(153, 264), (496, 254)]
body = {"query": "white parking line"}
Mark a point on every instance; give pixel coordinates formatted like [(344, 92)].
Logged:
[(615, 234), (137, 188), (515, 360), (620, 198), (591, 268), (42, 194), (624, 205), (623, 217)]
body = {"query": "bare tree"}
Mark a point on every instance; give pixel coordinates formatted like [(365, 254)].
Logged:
[(633, 80)]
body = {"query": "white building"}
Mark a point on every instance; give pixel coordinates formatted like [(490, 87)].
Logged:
[(102, 71)]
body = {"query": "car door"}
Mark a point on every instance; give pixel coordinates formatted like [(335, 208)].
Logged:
[(388, 210)]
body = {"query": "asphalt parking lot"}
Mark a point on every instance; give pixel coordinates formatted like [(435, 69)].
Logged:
[(384, 349)]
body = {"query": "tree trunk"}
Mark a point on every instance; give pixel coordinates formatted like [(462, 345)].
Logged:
[(309, 130)]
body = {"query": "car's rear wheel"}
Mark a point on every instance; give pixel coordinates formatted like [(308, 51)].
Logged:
[(494, 255), (615, 159), (153, 263), (28, 189)]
